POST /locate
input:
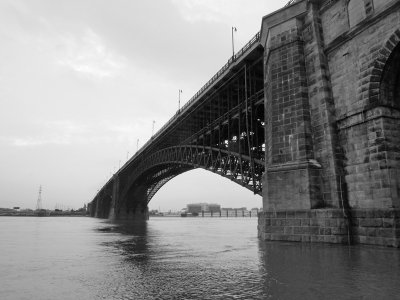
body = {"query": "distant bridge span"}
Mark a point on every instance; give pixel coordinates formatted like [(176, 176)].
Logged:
[(307, 115)]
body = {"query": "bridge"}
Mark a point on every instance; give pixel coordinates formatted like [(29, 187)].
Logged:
[(306, 114)]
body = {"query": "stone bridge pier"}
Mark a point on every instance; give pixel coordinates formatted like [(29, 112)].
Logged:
[(110, 204), (332, 104)]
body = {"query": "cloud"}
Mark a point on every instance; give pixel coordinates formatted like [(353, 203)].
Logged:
[(88, 55), (69, 132), (204, 10), (76, 47)]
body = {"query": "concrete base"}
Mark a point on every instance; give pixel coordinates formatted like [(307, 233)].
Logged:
[(363, 226)]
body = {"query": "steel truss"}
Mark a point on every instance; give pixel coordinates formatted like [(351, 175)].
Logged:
[(222, 132), (225, 136), (241, 169)]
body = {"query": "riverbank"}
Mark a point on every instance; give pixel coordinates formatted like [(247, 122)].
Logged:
[(5, 212)]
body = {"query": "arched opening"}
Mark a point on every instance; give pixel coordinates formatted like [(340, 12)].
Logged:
[(199, 185), (388, 127), (390, 80)]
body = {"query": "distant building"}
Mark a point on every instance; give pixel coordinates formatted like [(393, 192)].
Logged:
[(203, 207), (194, 208), (212, 207)]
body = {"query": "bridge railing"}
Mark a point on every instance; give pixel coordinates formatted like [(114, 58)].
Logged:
[(234, 58)]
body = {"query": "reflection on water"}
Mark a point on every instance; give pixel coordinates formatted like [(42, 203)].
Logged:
[(318, 271), (182, 258)]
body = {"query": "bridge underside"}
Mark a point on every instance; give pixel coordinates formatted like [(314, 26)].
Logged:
[(222, 132)]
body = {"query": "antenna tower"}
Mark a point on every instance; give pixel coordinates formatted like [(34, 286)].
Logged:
[(39, 200)]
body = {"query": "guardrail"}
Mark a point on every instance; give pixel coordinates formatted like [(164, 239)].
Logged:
[(234, 58)]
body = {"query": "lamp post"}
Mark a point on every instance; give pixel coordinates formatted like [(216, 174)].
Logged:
[(152, 131), (179, 100), (137, 145), (233, 44)]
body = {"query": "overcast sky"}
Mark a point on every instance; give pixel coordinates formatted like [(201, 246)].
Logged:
[(82, 80)]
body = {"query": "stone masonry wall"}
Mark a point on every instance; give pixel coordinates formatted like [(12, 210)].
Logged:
[(345, 185), (373, 227), (327, 151), (368, 129), (289, 173)]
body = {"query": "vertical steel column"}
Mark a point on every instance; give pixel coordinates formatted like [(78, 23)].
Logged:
[(229, 131), (239, 133)]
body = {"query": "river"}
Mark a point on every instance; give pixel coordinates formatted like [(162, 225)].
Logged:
[(182, 258)]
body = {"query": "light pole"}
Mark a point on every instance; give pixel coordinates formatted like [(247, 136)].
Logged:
[(233, 44), (179, 100), (152, 131), (137, 145)]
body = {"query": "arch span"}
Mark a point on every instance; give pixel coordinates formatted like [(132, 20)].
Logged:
[(378, 85), (167, 163)]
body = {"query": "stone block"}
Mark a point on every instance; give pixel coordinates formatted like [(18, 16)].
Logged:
[(373, 240), (329, 239), (293, 222), (321, 214), (314, 222), (337, 213), (302, 214), (362, 239), (267, 214), (320, 222), (317, 238), (290, 214), (385, 232), (388, 223), (281, 214), (338, 230), (371, 232), (360, 230), (389, 242), (267, 229), (278, 237), (288, 230), (343, 239), (295, 238), (331, 223), (300, 230), (276, 229), (370, 222), (266, 236), (327, 231)]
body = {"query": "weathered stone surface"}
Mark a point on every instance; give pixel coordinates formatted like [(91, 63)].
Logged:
[(321, 227), (332, 108)]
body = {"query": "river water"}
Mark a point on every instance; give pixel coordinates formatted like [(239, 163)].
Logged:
[(182, 258)]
